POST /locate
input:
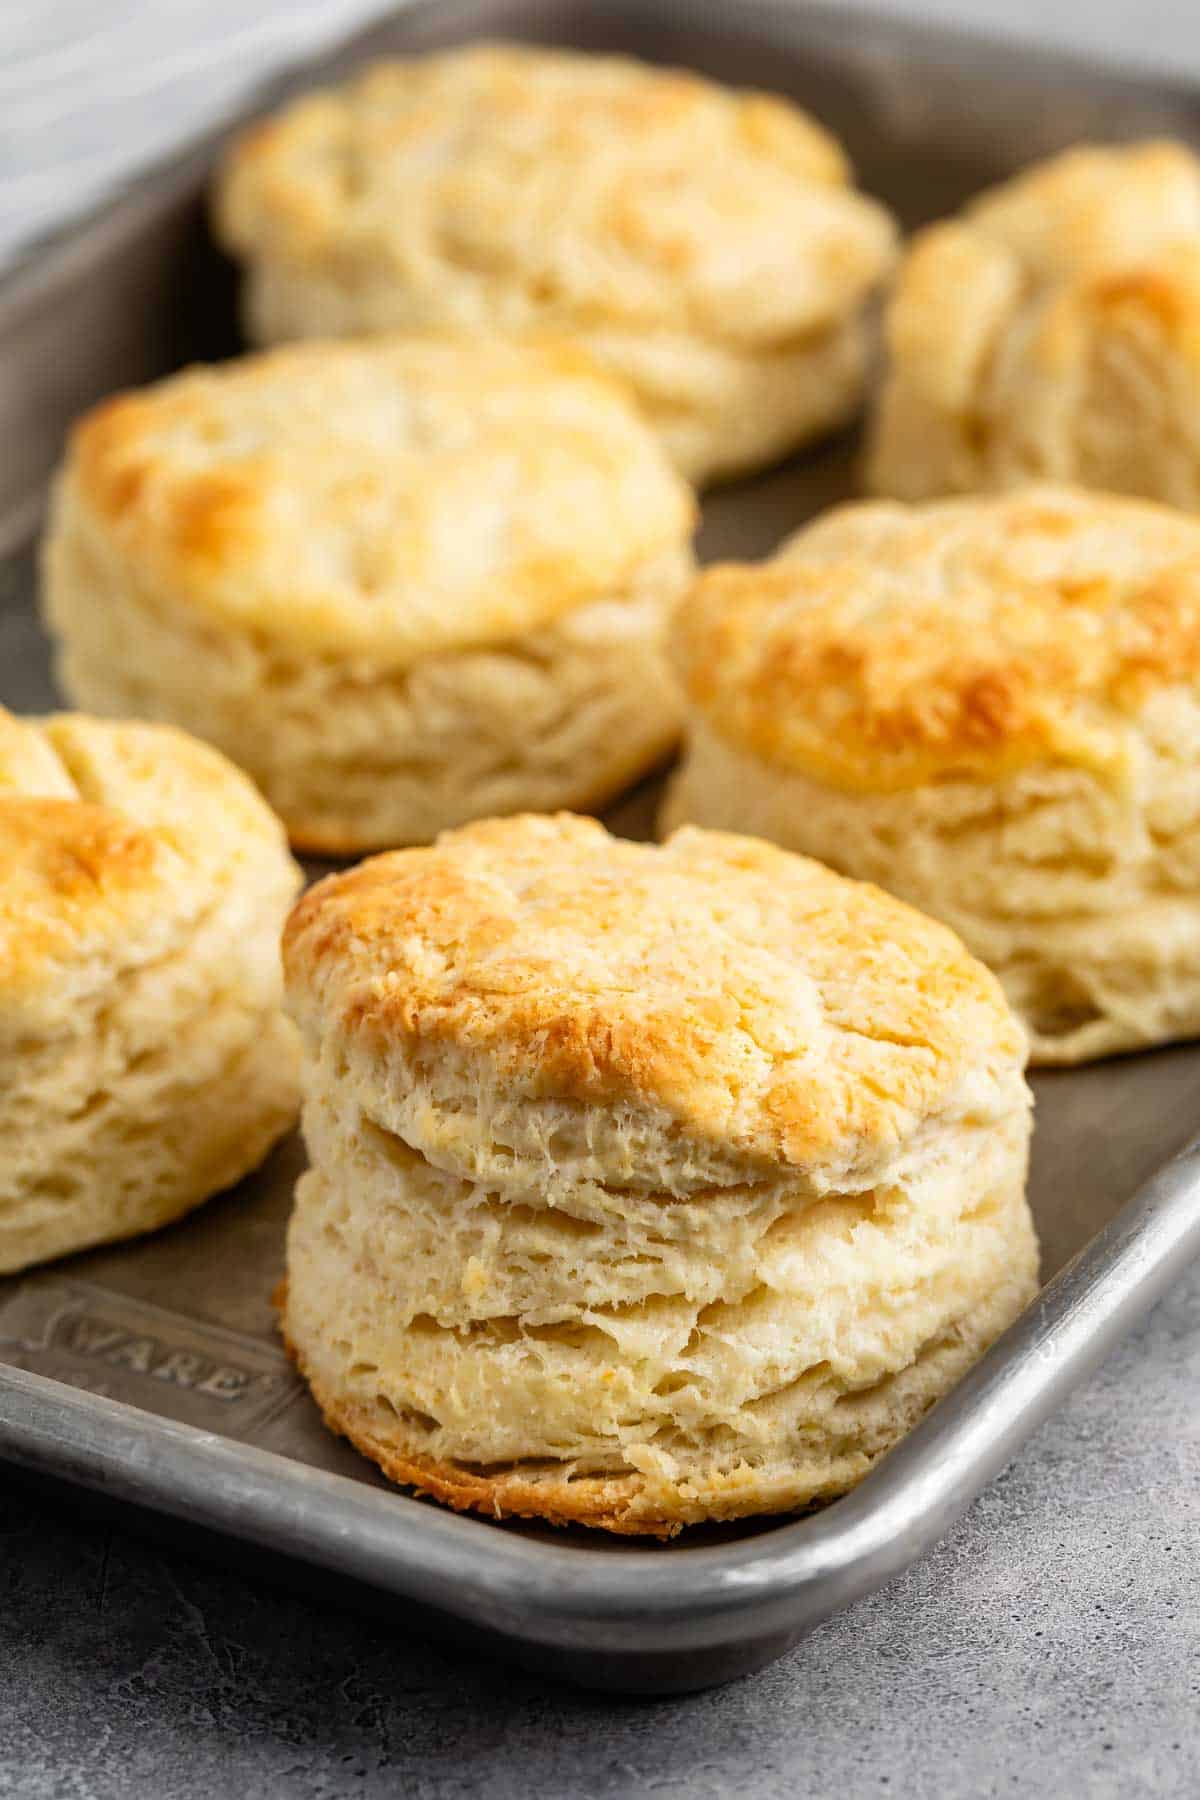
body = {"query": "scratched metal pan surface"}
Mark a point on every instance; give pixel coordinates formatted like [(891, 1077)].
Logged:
[(151, 1373)]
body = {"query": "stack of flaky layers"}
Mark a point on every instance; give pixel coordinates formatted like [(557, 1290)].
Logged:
[(145, 1061), (648, 1185), (1020, 762)]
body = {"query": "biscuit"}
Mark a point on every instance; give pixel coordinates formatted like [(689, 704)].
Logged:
[(1052, 332), (705, 244), (648, 1185), (991, 707), (403, 584), (145, 1061)]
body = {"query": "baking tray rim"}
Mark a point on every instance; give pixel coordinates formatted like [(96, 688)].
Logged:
[(47, 258), (573, 1595)]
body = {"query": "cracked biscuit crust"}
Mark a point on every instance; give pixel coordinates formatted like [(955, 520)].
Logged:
[(715, 1006), (402, 584), (502, 186), (145, 1062), (991, 707), (385, 501), (1051, 332), (648, 1185), (705, 244), (886, 646)]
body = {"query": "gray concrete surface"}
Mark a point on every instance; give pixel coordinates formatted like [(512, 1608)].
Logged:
[(1051, 1646)]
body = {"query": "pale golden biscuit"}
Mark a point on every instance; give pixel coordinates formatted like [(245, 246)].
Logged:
[(145, 1062), (649, 1185), (706, 244), (404, 584), (1052, 332), (991, 707)]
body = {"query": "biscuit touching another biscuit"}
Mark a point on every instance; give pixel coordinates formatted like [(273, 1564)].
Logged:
[(992, 708), (648, 1185), (1052, 332), (403, 584), (706, 244), (145, 1061)]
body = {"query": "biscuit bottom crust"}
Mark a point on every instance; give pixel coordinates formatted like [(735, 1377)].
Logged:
[(457, 1335), (634, 1504)]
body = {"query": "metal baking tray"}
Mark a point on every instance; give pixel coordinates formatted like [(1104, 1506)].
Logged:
[(151, 1373)]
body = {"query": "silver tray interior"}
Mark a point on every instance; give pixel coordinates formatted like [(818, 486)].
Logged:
[(152, 1373)]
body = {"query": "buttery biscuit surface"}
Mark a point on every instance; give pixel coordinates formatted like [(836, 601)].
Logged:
[(884, 645), (1051, 332), (990, 706), (144, 1059), (648, 1185), (774, 1014), (704, 242), (402, 583), (388, 500)]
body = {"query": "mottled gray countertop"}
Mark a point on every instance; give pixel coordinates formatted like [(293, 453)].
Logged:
[(1050, 1646)]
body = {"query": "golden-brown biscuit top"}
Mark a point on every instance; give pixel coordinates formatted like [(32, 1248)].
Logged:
[(1063, 250), (736, 995), (1094, 208), (388, 499), (112, 839), (885, 645), (504, 185)]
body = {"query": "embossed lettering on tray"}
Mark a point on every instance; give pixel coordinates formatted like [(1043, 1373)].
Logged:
[(145, 1355)]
